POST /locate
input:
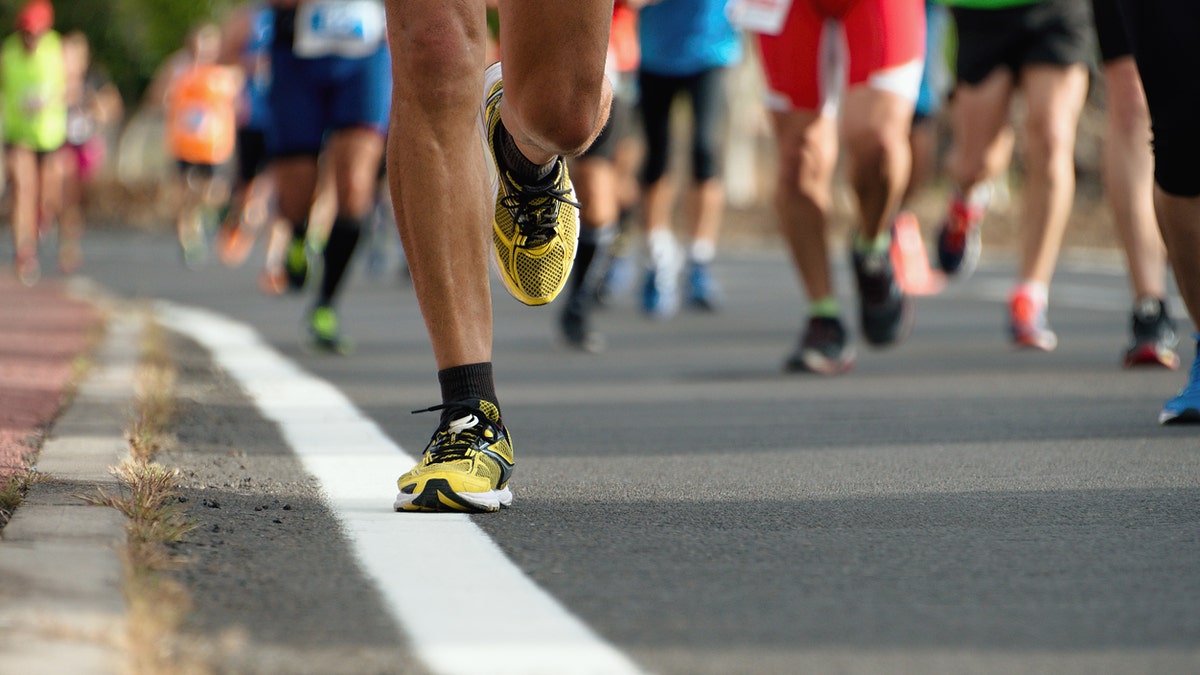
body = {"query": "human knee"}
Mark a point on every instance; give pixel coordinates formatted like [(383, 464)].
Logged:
[(435, 64), (875, 145), (561, 118), (1050, 136)]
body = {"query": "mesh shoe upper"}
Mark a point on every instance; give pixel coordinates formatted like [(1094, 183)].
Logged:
[(466, 465), (535, 227)]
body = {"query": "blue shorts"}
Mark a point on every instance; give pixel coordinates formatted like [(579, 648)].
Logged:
[(310, 97)]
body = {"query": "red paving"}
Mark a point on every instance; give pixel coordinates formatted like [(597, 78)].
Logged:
[(42, 331)]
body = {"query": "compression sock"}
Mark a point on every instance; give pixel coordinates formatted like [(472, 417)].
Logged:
[(339, 248)]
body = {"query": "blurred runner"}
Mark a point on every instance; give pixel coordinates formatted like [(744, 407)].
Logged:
[(201, 127), (33, 83), (93, 106), (842, 75), (1129, 187), (329, 95)]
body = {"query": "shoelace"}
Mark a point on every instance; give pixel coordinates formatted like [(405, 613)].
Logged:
[(446, 445), (535, 210)]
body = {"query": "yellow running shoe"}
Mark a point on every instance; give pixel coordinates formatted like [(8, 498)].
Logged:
[(466, 465), (536, 227)]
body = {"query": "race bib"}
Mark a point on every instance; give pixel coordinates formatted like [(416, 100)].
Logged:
[(193, 122), (759, 16), (349, 28)]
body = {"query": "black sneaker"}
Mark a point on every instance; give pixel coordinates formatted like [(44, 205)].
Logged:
[(1154, 337), (823, 348), (885, 312)]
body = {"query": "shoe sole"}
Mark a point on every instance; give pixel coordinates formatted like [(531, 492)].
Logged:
[(438, 497), (1189, 416), (815, 362), (490, 77), (1033, 344), (1151, 355)]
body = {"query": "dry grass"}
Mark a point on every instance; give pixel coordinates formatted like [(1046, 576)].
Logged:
[(12, 491), (149, 499)]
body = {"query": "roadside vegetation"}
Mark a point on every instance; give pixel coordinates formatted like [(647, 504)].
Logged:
[(149, 497)]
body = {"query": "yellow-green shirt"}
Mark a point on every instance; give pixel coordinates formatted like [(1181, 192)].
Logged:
[(34, 89)]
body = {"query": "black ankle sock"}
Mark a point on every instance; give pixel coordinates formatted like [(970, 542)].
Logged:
[(473, 380), (515, 161), (339, 248)]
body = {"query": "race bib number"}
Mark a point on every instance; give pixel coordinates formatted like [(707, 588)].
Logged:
[(759, 16), (349, 28), (193, 122)]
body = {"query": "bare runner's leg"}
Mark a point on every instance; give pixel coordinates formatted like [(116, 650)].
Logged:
[(554, 102)]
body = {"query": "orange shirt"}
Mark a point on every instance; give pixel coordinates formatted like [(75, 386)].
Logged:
[(202, 114)]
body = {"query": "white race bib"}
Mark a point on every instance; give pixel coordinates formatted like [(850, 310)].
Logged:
[(759, 16), (349, 28)]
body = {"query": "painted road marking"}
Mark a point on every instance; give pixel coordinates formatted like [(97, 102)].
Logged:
[(431, 568)]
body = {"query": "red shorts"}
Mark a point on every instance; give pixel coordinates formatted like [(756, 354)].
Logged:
[(884, 45)]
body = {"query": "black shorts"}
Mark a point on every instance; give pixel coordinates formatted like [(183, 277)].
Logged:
[(1164, 40), (251, 153), (1110, 32), (190, 170), (1051, 32)]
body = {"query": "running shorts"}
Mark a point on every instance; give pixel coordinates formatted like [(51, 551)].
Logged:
[(1110, 32), (878, 43), (1163, 36), (311, 96), (1051, 32)]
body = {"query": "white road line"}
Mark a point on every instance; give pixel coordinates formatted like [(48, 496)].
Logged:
[(466, 608)]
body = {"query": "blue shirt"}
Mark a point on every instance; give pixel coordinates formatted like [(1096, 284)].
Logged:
[(685, 37)]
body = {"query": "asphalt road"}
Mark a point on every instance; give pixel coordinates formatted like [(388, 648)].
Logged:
[(949, 506)]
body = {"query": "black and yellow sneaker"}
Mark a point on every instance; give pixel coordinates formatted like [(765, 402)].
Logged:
[(466, 465), (326, 332), (535, 227)]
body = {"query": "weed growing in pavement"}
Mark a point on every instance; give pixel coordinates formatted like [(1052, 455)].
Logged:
[(12, 491), (149, 498)]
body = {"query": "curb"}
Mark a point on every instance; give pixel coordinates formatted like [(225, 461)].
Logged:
[(62, 608)]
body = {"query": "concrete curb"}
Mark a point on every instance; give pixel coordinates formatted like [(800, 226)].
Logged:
[(62, 609)]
